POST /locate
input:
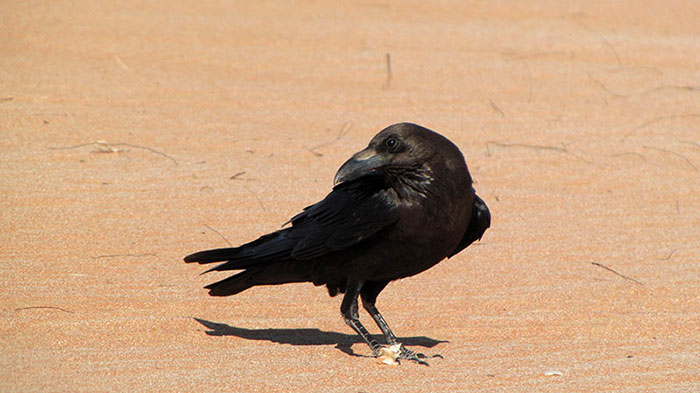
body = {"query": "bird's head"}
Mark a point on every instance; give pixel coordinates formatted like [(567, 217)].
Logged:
[(401, 149)]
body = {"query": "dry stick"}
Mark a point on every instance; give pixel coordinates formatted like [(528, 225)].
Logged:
[(630, 154), (669, 255), (645, 92), (49, 114), (536, 147), (124, 255), (388, 70), (256, 196), (674, 153), (237, 174), (601, 84), (657, 119), (611, 270), (71, 147), (539, 55), (670, 87), (149, 149), (5, 99), (496, 108), (638, 68), (219, 233), (49, 307), (605, 41), (343, 131), (116, 144)]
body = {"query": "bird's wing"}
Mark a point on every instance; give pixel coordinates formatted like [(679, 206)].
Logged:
[(479, 222), (352, 212)]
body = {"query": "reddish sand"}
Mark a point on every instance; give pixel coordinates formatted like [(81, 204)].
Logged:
[(580, 124)]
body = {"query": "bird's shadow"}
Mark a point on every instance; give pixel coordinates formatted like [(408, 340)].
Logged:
[(342, 341)]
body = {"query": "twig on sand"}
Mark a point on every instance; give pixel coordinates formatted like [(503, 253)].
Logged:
[(388, 70), (630, 154), (343, 131), (237, 174), (605, 40), (496, 108), (149, 149), (535, 147), (523, 145), (670, 87), (613, 271), (124, 255), (219, 233), (658, 119), (256, 197), (602, 85), (653, 90), (105, 147), (44, 307), (674, 153), (670, 254)]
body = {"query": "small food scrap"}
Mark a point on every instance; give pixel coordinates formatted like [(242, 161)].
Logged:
[(553, 373), (389, 355)]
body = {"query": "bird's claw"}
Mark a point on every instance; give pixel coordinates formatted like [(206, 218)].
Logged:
[(417, 357)]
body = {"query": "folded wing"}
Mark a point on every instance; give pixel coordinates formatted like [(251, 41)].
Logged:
[(352, 213)]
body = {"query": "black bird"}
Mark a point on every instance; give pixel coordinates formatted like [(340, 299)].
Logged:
[(397, 208)]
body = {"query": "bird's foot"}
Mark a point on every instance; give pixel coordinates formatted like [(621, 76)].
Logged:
[(393, 355), (417, 357)]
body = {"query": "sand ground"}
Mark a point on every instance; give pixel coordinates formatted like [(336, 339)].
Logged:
[(580, 122)]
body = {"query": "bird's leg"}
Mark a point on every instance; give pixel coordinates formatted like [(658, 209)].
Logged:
[(369, 293), (348, 308)]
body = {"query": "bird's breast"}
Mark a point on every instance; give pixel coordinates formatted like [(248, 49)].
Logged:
[(424, 235)]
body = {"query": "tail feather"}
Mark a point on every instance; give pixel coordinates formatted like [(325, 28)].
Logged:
[(264, 262), (267, 249), (209, 256), (258, 275), (234, 284)]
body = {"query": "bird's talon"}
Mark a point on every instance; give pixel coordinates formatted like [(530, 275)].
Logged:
[(407, 354)]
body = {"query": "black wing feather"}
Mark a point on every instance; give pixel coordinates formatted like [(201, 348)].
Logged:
[(480, 221), (352, 212)]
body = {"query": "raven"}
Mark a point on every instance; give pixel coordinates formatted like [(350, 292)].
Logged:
[(397, 208)]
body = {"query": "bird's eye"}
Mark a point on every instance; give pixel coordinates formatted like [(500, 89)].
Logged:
[(391, 143)]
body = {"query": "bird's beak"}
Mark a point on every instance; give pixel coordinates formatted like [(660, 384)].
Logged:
[(361, 163)]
